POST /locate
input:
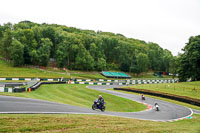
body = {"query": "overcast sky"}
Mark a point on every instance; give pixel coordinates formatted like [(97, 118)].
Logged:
[(169, 23)]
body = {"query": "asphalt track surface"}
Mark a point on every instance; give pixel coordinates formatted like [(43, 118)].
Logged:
[(168, 111)]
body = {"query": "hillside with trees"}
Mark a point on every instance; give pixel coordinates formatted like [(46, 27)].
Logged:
[(34, 44), (188, 63)]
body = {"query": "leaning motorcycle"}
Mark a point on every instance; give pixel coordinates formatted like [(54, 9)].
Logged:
[(157, 107), (143, 98), (96, 105)]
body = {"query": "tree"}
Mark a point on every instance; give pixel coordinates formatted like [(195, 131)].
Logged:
[(89, 62), (26, 37), (34, 57), (167, 59), (124, 56), (173, 66), (155, 55), (37, 30), (82, 49), (84, 61), (189, 61), (24, 25), (142, 62), (17, 51), (93, 49), (101, 64), (6, 43), (1, 32), (50, 32), (183, 68), (109, 45), (44, 51), (61, 54)]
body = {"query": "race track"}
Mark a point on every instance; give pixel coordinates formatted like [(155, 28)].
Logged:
[(168, 111)]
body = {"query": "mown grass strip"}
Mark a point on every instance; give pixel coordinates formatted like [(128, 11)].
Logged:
[(92, 123), (189, 89)]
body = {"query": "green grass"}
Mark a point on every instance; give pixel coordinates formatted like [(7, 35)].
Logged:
[(189, 89), (6, 70), (79, 95), (92, 124)]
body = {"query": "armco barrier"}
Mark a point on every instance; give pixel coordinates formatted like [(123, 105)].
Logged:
[(135, 81), (12, 89), (84, 81), (4, 89), (90, 83), (184, 99), (19, 89)]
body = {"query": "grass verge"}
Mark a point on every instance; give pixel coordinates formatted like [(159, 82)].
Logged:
[(189, 89), (92, 123), (79, 95), (7, 70)]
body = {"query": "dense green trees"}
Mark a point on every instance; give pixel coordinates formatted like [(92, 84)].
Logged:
[(174, 66), (43, 51), (84, 61), (142, 63), (32, 43), (101, 64), (6, 40), (17, 52), (189, 61)]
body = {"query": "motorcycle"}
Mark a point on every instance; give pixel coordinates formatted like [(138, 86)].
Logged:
[(143, 98), (96, 105), (157, 107)]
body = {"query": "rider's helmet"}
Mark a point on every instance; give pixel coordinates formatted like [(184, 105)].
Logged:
[(100, 96)]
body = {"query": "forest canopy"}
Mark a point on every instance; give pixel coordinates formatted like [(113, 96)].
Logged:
[(31, 43), (188, 63)]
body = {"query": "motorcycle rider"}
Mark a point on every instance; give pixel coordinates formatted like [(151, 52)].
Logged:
[(100, 101), (156, 106), (142, 96)]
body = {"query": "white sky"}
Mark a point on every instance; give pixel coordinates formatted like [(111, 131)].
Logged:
[(169, 23)]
